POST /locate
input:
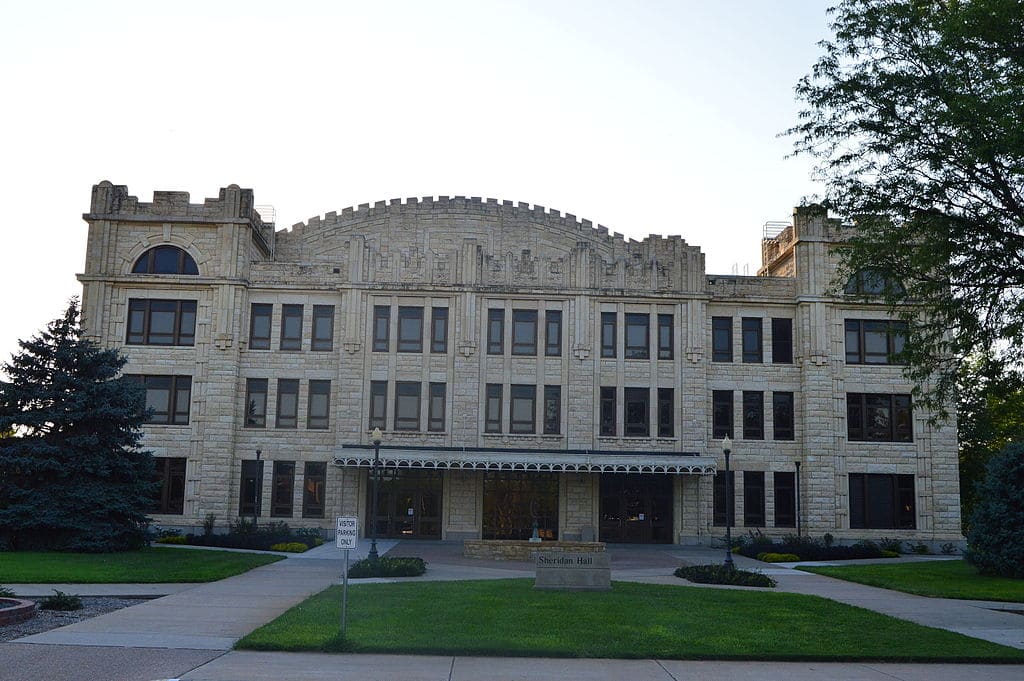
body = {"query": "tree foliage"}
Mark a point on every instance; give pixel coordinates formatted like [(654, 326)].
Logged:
[(996, 539), (74, 477), (914, 113)]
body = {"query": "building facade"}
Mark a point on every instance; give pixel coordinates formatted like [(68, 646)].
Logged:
[(530, 372)]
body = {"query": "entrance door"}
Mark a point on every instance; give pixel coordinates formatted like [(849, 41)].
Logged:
[(636, 508), (408, 504)]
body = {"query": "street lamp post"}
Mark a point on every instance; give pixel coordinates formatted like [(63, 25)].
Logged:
[(375, 437), (727, 450)]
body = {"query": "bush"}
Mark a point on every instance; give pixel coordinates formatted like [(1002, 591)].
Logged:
[(243, 534), (807, 548), (60, 601), (6, 592), (311, 536), (720, 574), (948, 549), (173, 539), (386, 566), (290, 547), (995, 541), (768, 557), (890, 554), (920, 548), (209, 522), (890, 544)]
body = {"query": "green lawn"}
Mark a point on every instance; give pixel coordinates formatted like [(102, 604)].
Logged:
[(508, 617), (150, 565), (941, 578)]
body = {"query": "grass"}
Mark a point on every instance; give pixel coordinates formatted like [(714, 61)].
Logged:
[(940, 578), (149, 565), (632, 621)]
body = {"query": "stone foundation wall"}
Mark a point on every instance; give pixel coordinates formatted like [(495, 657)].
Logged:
[(499, 549)]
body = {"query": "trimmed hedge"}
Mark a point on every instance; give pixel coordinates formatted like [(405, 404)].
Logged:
[(290, 547), (806, 548), (720, 574), (767, 557)]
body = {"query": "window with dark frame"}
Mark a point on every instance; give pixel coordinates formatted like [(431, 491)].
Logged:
[(522, 412), (524, 332), (874, 341), (721, 414), (721, 339), (378, 405), (782, 341), (407, 405), (165, 260), (666, 336), (638, 336), (381, 328), (259, 326), (169, 474), (161, 322), (168, 398), (718, 499), (436, 408), (785, 499), (608, 410), (496, 331), (882, 501), (256, 402), (666, 412), (636, 415), (753, 341), (291, 327), (873, 282), (439, 330), (753, 415), (410, 329), (872, 417), (250, 488), (553, 333), (314, 488), (552, 410), (282, 492), (323, 328), (492, 408), (287, 403), (318, 411), (753, 499), (783, 411), (608, 333)]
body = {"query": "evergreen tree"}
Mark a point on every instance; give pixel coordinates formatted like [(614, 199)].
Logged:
[(73, 478), (996, 539)]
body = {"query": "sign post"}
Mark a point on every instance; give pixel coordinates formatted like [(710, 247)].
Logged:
[(346, 538)]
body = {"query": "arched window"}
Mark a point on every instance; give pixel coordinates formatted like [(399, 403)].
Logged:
[(165, 260), (873, 283)]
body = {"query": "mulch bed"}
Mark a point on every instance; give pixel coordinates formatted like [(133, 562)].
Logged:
[(45, 620)]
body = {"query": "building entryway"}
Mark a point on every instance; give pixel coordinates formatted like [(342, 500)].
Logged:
[(636, 508), (516, 501), (408, 503)]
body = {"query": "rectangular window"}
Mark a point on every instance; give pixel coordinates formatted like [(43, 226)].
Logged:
[(161, 322), (782, 341), (436, 408), (524, 332), (721, 339), (666, 340), (637, 412), (259, 326), (168, 398), (282, 492), (718, 500), (496, 331), (666, 412), (323, 328), (255, 403), (381, 328), (169, 475), (753, 415), (291, 327), (882, 502), (492, 408), (753, 498), (874, 341), (879, 418), (608, 410), (410, 329), (785, 499), (523, 409), (753, 351), (407, 405), (318, 411), (553, 333), (552, 409), (287, 403), (721, 413), (378, 404), (250, 489), (783, 416), (638, 336), (608, 333), (439, 329), (314, 489)]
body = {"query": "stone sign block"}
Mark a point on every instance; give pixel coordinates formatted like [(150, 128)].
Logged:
[(564, 571)]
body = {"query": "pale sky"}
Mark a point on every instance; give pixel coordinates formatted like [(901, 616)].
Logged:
[(649, 117)]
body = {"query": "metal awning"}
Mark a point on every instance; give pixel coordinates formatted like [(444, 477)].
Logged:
[(540, 460)]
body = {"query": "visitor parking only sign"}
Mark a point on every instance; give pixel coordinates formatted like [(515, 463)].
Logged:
[(347, 535)]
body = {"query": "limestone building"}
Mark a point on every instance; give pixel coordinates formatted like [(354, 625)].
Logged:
[(526, 368)]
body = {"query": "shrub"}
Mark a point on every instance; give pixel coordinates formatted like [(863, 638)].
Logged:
[(311, 536), (948, 549), (60, 601), (828, 539), (995, 541), (243, 534), (5, 592), (890, 554), (890, 544), (768, 557), (209, 522), (920, 548), (720, 574), (173, 539), (290, 547), (808, 548), (386, 566)]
